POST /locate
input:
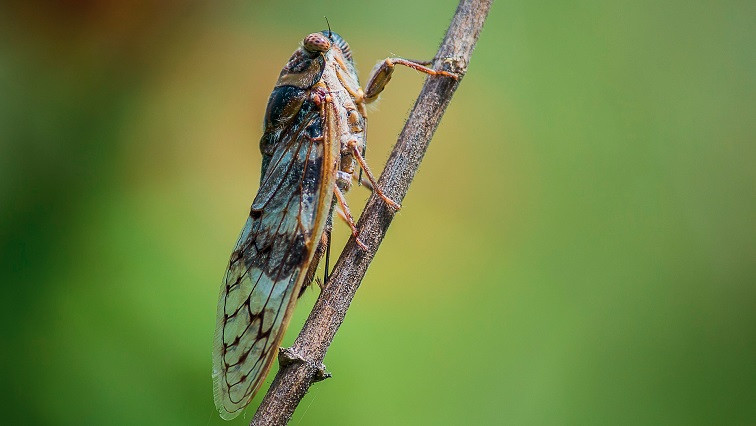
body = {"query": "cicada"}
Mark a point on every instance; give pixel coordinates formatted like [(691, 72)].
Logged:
[(312, 145)]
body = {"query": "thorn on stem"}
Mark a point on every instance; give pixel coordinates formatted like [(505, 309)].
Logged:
[(287, 356), (321, 374)]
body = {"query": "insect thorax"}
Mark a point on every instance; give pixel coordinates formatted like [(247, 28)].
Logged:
[(308, 80)]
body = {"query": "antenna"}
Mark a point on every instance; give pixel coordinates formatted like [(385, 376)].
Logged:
[(329, 26)]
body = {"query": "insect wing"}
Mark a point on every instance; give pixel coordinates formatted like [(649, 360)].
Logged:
[(271, 258)]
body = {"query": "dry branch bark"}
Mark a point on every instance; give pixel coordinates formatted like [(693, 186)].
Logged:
[(302, 364)]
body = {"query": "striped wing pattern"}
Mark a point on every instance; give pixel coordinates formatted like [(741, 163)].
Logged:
[(270, 261)]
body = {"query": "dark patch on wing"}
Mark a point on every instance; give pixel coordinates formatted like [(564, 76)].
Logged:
[(284, 103), (295, 255), (284, 111), (314, 130), (286, 219)]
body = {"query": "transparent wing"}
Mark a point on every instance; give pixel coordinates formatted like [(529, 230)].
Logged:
[(270, 261)]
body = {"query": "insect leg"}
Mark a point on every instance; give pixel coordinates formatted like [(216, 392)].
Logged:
[(381, 75), (363, 165), (348, 216)]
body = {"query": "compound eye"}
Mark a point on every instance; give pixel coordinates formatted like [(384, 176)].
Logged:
[(316, 42)]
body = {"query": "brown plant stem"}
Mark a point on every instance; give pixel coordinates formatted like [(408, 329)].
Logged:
[(302, 364)]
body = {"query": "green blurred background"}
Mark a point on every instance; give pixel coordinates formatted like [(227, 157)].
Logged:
[(577, 248)]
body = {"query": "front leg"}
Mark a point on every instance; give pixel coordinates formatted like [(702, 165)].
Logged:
[(381, 75)]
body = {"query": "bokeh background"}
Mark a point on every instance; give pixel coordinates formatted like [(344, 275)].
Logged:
[(577, 248)]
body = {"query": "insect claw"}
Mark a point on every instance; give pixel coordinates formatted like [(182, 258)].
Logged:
[(360, 243), (391, 203), (448, 74)]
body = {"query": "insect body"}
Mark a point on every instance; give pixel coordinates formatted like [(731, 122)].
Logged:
[(313, 140)]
